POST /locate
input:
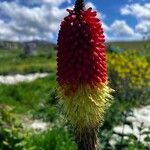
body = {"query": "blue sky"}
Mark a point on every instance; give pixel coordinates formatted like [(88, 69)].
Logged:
[(25, 20)]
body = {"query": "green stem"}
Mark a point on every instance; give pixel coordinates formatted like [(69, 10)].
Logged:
[(88, 139)]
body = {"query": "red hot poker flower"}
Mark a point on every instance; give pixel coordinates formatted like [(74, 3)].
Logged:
[(81, 50), (82, 72)]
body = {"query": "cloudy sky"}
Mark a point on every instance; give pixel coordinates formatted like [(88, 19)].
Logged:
[(25, 20)]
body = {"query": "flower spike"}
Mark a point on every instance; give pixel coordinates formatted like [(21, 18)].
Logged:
[(81, 69)]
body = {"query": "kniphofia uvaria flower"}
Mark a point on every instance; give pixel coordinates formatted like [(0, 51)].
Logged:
[(82, 72)]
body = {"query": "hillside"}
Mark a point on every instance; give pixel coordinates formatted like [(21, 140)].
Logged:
[(9, 45), (46, 45), (130, 44)]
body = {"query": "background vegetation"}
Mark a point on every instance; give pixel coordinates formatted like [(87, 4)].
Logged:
[(129, 75)]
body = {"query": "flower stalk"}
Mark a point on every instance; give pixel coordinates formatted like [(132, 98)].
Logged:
[(87, 140)]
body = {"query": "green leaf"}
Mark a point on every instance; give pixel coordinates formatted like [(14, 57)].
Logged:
[(147, 139), (132, 137), (129, 124), (145, 133)]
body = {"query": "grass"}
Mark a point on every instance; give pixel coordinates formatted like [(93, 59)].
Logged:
[(56, 139), (12, 62), (27, 96), (130, 45), (26, 65)]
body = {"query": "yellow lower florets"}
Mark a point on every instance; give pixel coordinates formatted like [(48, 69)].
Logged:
[(86, 107)]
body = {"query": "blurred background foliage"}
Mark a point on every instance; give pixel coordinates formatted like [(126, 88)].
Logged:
[(129, 74), (22, 103)]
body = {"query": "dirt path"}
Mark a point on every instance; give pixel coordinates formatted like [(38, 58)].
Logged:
[(14, 79)]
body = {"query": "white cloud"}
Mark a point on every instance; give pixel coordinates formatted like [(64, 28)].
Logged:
[(120, 28), (99, 15), (41, 21), (5, 31), (90, 4), (137, 10), (125, 10), (106, 27), (143, 27), (141, 13), (28, 23)]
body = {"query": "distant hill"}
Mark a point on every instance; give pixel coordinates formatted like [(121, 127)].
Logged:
[(127, 45), (8, 45)]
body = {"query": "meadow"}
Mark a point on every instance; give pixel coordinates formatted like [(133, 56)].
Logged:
[(22, 103)]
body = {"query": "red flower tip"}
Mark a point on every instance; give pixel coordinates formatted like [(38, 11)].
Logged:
[(81, 50)]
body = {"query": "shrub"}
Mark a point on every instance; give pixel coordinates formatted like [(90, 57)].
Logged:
[(112, 140), (12, 136), (113, 49), (52, 139), (48, 110), (129, 74)]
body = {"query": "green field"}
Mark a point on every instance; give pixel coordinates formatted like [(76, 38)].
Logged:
[(13, 61), (38, 100)]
